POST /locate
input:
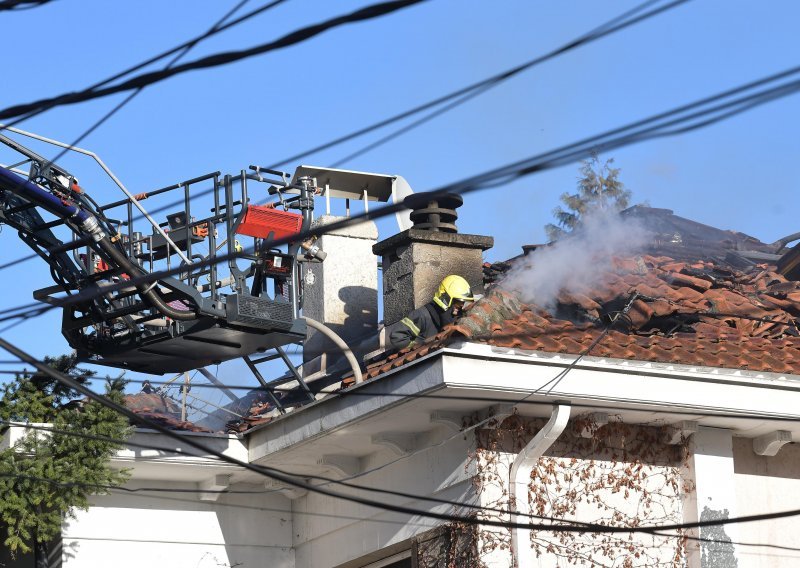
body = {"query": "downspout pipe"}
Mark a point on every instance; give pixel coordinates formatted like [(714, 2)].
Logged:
[(520, 478)]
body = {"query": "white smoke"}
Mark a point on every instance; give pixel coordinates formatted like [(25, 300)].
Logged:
[(575, 262)]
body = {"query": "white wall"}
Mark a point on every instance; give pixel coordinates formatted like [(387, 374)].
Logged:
[(767, 484), (177, 530), (329, 531)]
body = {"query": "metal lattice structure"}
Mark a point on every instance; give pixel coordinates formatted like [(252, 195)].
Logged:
[(206, 285)]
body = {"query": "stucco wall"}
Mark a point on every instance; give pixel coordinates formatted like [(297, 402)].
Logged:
[(766, 484), (177, 530), (330, 532)]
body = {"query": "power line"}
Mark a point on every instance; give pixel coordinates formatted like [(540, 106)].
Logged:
[(136, 92), (20, 5), (466, 94), (463, 505), (145, 79), (600, 404), (264, 471), (638, 131), (18, 261), (136, 492), (327, 480), (350, 392), (591, 527), (557, 378), (185, 45), (489, 82), (741, 519), (132, 492), (181, 51)]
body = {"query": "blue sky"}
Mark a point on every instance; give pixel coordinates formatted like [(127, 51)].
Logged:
[(738, 175)]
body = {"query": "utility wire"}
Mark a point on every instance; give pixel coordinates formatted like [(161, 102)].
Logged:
[(464, 94), (136, 492), (271, 473), (599, 405), (559, 376), (133, 492), (468, 93), (185, 45), (351, 392), (614, 25), (295, 37), (19, 5), (326, 480), (638, 131), (488, 419), (267, 472), (129, 98), (181, 51), (145, 79)]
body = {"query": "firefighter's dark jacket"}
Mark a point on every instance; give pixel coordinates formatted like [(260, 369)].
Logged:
[(423, 323)]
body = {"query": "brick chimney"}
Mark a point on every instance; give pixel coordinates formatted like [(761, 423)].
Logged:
[(416, 260)]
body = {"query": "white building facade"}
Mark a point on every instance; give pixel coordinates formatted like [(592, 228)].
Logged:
[(598, 441)]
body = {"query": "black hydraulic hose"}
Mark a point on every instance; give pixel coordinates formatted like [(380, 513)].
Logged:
[(146, 290), (87, 223)]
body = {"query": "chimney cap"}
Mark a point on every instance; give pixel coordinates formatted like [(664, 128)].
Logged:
[(349, 184), (434, 211)]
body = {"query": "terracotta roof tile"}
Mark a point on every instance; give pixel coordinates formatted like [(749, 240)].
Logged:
[(689, 312)]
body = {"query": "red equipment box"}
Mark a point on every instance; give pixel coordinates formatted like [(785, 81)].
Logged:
[(259, 221)]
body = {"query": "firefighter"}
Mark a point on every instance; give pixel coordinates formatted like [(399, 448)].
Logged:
[(427, 321)]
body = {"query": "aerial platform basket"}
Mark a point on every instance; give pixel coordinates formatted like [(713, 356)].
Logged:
[(262, 221)]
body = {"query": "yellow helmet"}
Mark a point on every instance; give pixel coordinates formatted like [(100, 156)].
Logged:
[(453, 287)]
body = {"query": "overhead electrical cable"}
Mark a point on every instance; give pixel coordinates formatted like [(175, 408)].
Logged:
[(133, 492), (185, 45), (181, 51), (145, 79), (464, 94), (267, 472), (737, 100), (559, 376), (272, 474), (468, 93), (614, 25), (706, 412), (326, 480), (178, 56), (19, 5), (137, 491)]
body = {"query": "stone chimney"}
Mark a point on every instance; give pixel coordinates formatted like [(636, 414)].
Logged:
[(341, 292), (416, 260)]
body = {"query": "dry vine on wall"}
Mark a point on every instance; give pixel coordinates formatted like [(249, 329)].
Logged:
[(614, 475)]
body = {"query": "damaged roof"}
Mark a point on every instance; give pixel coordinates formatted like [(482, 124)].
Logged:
[(691, 295), (694, 295), (160, 409)]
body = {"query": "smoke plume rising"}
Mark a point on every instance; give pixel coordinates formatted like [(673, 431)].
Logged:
[(575, 262)]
